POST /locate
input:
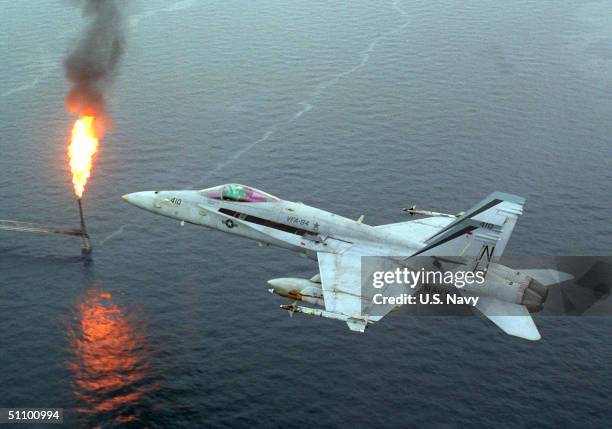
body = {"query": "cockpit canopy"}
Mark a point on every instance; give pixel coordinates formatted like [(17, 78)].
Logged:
[(240, 193)]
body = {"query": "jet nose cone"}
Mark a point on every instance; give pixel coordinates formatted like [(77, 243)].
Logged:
[(144, 200)]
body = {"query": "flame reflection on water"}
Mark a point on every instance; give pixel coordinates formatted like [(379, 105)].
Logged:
[(109, 359)]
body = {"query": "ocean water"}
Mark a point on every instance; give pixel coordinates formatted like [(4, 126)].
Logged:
[(355, 107)]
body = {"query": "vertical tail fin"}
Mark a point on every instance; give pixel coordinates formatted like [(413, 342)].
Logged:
[(483, 230)]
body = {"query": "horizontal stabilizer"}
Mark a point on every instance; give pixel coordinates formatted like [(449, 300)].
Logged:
[(513, 319)]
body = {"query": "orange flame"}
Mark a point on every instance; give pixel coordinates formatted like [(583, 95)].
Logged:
[(82, 147)]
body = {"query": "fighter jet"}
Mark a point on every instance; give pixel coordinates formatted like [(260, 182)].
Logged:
[(339, 243)]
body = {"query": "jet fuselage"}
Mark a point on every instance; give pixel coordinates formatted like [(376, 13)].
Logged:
[(287, 224)]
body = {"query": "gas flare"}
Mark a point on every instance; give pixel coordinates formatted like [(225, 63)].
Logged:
[(83, 145)]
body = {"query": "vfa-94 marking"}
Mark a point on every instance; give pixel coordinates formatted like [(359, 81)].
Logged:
[(294, 220)]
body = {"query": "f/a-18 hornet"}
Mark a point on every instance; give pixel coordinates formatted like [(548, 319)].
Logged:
[(338, 243)]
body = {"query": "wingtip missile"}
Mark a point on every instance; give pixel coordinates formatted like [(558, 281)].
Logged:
[(413, 210), (357, 324)]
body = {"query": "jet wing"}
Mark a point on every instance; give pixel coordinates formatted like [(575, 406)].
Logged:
[(418, 230), (342, 289), (513, 319), (341, 282)]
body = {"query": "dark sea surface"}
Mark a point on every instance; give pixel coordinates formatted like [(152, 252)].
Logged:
[(358, 107)]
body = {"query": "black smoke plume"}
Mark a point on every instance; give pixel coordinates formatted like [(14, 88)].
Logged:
[(91, 64)]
